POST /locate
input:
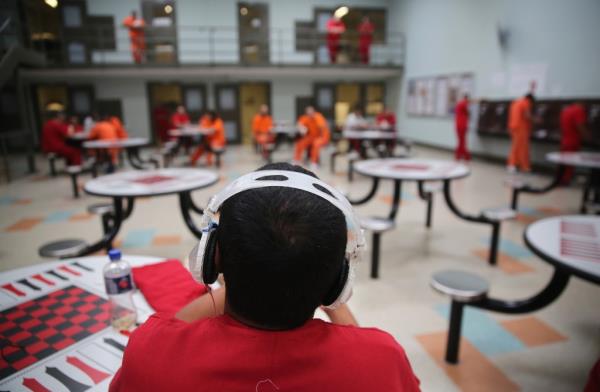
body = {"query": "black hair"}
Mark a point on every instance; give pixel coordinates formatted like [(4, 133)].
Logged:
[(281, 252), (530, 97), (212, 114)]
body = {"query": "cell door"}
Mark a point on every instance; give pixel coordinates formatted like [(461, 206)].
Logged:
[(253, 33), (325, 98), (81, 101), (194, 100), (227, 98)]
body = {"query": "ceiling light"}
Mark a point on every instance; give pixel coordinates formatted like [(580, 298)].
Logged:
[(168, 9), (244, 11), (52, 3), (341, 12)]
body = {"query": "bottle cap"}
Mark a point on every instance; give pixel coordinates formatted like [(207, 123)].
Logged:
[(114, 254)]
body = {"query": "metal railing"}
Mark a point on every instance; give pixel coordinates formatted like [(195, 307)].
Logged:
[(210, 45)]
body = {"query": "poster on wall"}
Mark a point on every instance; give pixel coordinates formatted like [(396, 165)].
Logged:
[(437, 96)]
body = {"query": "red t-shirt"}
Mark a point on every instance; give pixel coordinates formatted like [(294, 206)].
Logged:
[(54, 134), (386, 117), (180, 119), (571, 118), (461, 112), (335, 27), (221, 354), (365, 30)]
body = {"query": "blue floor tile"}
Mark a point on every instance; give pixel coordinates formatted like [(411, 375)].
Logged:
[(138, 238), (58, 216)]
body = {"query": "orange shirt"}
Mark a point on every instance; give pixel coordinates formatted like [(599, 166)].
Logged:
[(261, 124), (104, 130), (218, 136), (316, 125), (135, 26), (517, 115), (121, 132)]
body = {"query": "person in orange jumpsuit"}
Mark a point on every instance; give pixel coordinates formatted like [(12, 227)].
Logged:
[(180, 118), (54, 139), (365, 39), (121, 131), (137, 36), (461, 121), (573, 129), (105, 130), (335, 29), (262, 124), (315, 134), (520, 121), (216, 138)]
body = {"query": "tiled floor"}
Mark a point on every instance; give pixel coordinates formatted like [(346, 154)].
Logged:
[(549, 350)]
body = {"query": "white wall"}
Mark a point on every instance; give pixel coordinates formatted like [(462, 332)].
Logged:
[(461, 36), (132, 93)]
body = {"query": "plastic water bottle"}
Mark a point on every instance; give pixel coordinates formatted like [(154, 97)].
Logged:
[(119, 287)]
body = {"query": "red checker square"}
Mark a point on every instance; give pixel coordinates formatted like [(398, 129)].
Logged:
[(72, 330), (20, 336), (15, 315), (80, 318), (75, 291), (55, 321), (24, 362), (37, 347), (46, 333), (96, 327), (39, 312), (6, 324), (62, 310), (102, 316), (70, 300), (63, 343), (30, 323), (10, 350), (44, 303), (86, 308)]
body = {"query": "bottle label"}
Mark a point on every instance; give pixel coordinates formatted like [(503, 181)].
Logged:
[(119, 285)]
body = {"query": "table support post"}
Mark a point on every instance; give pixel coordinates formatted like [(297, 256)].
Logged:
[(396, 200), (369, 196), (186, 204), (527, 189), (427, 197)]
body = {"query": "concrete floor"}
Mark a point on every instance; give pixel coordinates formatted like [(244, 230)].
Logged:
[(549, 350)]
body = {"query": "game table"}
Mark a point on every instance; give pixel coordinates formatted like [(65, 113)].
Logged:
[(125, 187), (130, 145), (421, 171), (589, 161), (55, 323)]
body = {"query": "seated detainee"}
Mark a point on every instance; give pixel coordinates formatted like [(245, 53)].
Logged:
[(105, 130), (355, 120), (121, 131), (262, 124), (214, 140), (54, 138), (180, 118), (315, 132), (284, 248)]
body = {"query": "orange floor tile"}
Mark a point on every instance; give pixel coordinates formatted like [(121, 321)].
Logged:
[(532, 331), (508, 264), (24, 224)]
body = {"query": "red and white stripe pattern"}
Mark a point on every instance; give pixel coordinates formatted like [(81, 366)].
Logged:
[(579, 241)]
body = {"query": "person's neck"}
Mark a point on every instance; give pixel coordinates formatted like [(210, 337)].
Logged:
[(249, 323)]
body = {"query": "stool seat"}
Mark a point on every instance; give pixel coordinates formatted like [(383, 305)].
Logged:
[(516, 182), (461, 286), (62, 248), (100, 208), (377, 225), (432, 186), (75, 169), (499, 214)]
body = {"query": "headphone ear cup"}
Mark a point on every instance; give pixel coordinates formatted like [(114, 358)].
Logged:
[(209, 266), (338, 287)]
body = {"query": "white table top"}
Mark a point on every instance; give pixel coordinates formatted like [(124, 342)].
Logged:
[(571, 241), (369, 134), (156, 182), (580, 159), (94, 350), (411, 169), (120, 143), (80, 136), (189, 131), (285, 127)]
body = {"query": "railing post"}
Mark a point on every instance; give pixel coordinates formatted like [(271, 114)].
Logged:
[(211, 45)]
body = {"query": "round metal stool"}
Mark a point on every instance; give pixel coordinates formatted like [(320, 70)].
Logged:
[(62, 248)]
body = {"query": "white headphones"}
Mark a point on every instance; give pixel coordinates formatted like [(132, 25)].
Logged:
[(202, 257)]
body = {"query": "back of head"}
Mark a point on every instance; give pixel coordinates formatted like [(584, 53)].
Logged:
[(530, 97), (281, 252)]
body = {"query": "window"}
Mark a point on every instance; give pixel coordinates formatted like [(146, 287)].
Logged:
[(71, 16), (76, 53)]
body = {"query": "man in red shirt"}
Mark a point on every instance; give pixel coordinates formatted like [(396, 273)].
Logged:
[(282, 252), (386, 120), (573, 128), (365, 31), (180, 118), (461, 117), (335, 29), (54, 139)]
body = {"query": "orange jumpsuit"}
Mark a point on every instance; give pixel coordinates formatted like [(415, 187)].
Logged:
[(214, 140), (121, 132), (136, 36), (317, 135), (261, 128), (105, 130), (519, 126)]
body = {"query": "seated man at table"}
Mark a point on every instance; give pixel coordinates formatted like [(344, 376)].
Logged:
[(283, 253), (313, 126), (262, 124), (180, 118), (386, 120), (105, 130), (355, 120), (214, 140), (121, 132), (54, 138)]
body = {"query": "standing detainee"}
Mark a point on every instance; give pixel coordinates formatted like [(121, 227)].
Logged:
[(365, 39), (335, 29), (286, 244), (315, 131), (573, 129), (520, 123), (137, 36), (461, 120), (215, 139)]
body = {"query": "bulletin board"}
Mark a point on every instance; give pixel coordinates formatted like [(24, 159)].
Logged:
[(436, 96)]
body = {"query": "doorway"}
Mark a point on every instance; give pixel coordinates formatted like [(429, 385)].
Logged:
[(252, 95), (161, 37), (253, 33)]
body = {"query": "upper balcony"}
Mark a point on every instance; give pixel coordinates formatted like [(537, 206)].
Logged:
[(217, 50)]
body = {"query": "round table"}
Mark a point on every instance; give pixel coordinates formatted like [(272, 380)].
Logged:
[(570, 243), (368, 134), (160, 182), (64, 302), (422, 171), (189, 131), (130, 145), (589, 161)]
